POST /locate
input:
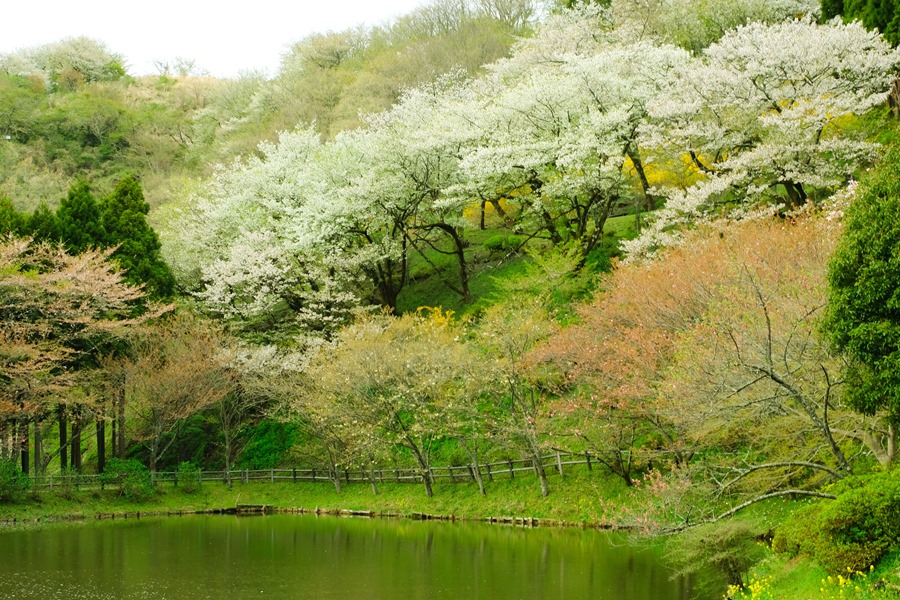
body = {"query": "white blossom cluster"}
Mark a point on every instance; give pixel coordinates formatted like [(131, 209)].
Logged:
[(557, 131)]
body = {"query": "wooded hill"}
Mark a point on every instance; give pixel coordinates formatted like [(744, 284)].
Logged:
[(427, 265)]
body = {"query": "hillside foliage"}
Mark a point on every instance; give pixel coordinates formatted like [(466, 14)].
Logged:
[(486, 231)]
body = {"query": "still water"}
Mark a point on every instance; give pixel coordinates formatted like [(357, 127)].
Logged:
[(286, 556)]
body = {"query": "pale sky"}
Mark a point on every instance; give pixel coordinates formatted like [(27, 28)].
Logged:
[(224, 37)]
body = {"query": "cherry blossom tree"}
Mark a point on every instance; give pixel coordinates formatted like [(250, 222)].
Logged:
[(559, 126), (390, 379), (57, 311), (248, 252), (762, 113)]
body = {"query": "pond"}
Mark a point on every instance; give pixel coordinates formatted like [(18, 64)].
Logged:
[(292, 556)]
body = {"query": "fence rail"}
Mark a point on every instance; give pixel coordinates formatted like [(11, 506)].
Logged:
[(552, 463)]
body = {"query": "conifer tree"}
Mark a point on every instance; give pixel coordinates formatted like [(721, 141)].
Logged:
[(123, 217), (42, 224), (11, 221), (78, 218)]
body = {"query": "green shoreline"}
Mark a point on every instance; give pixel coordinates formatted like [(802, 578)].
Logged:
[(575, 501), (578, 500)]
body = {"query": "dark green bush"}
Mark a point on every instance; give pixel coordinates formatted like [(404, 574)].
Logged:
[(504, 243), (13, 482), (271, 441), (852, 532), (188, 477), (130, 477)]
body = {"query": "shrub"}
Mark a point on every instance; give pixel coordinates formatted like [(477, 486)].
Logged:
[(13, 482), (270, 443), (853, 532), (67, 483), (504, 243), (188, 477), (131, 478)]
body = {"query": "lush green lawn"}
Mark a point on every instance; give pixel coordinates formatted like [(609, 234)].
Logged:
[(578, 497)]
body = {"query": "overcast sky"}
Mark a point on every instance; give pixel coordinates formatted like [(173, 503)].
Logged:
[(223, 37)]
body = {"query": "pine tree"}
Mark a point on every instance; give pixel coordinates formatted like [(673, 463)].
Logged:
[(42, 224), (78, 218), (123, 216), (11, 221)]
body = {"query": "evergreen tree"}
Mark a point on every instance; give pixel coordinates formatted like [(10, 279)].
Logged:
[(42, 224), (831, 9), (11, 221), (123, 215), (863, 318), (78, 219)]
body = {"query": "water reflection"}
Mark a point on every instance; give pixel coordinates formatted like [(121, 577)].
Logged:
[(284, 556)]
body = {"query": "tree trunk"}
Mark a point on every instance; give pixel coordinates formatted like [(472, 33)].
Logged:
[(459, 251), (894, 98), (101, 443), (476, 473), (113, 450), (24, 441), (796, 193), (4, 445), (472, 450), (76, 442), (370, 472), (538, 466), (507, 220), (645, 184), (120, 446), (38, 449), (335, 475), (15, 442), (228, 445), (426, 479), (424, 464), (892, 442), (153, 457), (63, 439)]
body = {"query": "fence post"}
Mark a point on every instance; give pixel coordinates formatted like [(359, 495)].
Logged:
[(559, 464), (512, 475), (314, 475), (295, 474), (490, 475), (175, 479), (587, 455), (272, 476)]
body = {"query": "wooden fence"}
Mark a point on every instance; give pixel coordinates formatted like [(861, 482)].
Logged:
[(552, 463)]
